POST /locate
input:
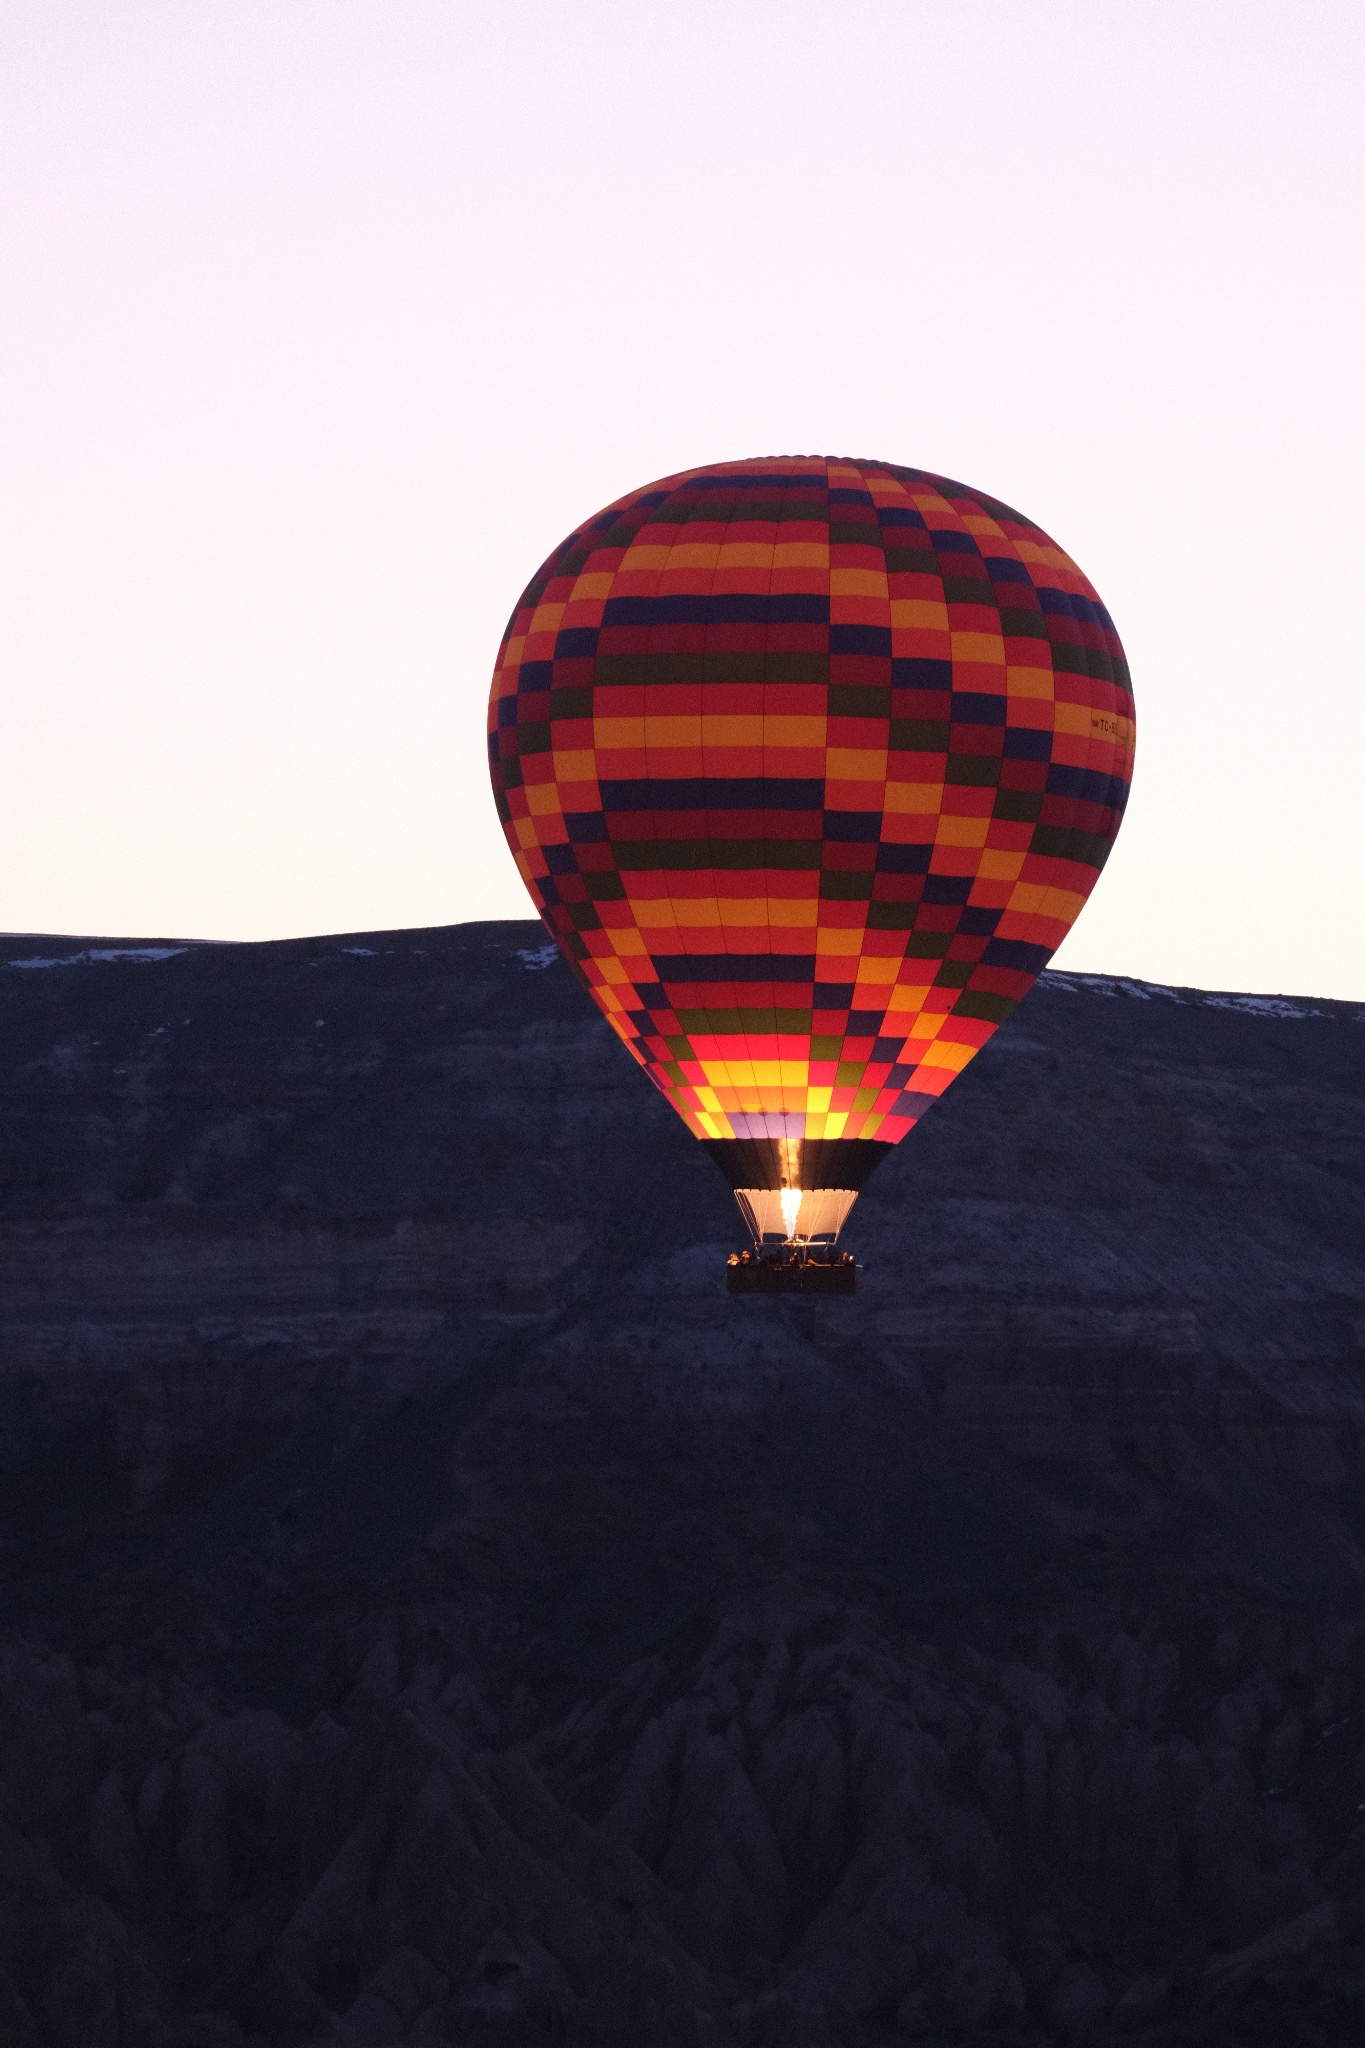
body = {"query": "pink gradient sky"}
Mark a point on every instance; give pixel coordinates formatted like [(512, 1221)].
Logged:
[(323, 322)]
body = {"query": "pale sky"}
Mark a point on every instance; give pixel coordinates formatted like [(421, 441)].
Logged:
[(323, 322)]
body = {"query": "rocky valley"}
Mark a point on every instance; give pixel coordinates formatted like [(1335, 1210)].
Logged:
[(433, 1611)]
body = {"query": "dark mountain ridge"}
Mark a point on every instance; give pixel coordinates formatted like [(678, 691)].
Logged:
[(435, 1611)]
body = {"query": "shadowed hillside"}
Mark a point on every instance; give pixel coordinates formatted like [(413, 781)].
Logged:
[(433, 1611)]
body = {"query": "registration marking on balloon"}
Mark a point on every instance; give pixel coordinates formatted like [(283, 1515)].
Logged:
[(809, 766)]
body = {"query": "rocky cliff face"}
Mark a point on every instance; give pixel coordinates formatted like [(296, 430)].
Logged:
[(435, 1612)]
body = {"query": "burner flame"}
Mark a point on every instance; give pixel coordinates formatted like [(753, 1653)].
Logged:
[(791, 1208)]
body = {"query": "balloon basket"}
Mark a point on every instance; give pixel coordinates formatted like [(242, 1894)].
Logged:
[(791, 1272)]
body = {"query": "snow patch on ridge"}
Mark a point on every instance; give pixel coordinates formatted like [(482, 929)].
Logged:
[(1195, 999), (94, 953)]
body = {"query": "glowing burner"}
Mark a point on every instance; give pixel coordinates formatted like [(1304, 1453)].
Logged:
[(791, 1209)]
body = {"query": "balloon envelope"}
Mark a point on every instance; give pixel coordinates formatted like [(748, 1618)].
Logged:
[(808, 765)]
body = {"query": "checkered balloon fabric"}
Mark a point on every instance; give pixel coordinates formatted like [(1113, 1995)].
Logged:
[(809, 765)]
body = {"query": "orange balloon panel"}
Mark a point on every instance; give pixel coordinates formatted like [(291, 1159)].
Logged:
[(809, 765)]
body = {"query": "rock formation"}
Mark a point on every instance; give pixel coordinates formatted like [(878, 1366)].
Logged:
[(434, 1612)]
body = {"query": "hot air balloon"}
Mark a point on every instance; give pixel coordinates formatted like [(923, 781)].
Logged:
[(808, 765)]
